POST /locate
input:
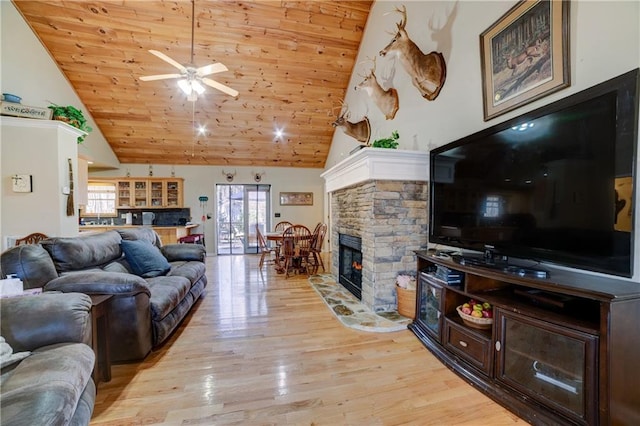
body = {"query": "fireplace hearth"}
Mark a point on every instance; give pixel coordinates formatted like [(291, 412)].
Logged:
[(350, 264)]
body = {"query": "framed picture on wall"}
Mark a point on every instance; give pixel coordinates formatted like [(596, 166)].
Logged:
[(525, 55), (296, 198)]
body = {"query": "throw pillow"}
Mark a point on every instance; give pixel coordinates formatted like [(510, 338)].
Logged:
[(144, 258), (7, 356)]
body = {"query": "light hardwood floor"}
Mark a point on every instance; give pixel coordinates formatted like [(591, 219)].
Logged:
[(262, 349)]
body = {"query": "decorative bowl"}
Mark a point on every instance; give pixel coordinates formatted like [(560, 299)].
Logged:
[(481, 323), (8, 97)]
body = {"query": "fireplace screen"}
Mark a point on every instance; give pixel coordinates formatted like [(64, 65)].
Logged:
[(350, 264)]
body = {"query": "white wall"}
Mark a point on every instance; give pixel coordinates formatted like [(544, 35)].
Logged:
[(40, 148), (202, 180), (27, 70), (604, 43)]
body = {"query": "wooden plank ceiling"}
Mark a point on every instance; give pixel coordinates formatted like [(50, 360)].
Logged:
[(290, 61)]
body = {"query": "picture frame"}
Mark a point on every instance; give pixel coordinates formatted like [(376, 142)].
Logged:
[(296, 198), (22, 183), (525, 55)]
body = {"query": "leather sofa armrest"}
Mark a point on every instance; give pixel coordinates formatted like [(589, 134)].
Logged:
[(30, 322), (184, 252), (95, 282)]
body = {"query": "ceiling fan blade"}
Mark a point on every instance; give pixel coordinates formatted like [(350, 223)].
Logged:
[(159, 77), (220, 86), (211, 69), (168, 59)]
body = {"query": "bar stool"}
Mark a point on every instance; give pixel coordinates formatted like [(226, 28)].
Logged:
[(192, 239)]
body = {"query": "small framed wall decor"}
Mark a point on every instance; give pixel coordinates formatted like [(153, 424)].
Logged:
[(21, 183), (296, 198), (525, 55)]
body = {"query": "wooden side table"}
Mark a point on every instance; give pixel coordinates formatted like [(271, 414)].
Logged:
[(100, 336)]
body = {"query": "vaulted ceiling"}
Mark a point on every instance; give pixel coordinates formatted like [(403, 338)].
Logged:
[(290, 62)]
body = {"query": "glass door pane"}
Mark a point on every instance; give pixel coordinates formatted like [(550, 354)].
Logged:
[(140, 193), (156, 194), (257, 206), (430, 313), (548, 362), (239, 209)]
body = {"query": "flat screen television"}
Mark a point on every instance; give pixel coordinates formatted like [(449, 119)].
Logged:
[(554, 185)]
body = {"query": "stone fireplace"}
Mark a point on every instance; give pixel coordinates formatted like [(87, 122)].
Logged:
[(379, 196)]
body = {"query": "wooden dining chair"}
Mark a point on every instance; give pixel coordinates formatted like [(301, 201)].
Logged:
[(34, 238), (265, 249), (317, 240), (280, 227), (296, 248)]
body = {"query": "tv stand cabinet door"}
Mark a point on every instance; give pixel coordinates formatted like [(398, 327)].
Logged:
[(430, 309), (550, 363)]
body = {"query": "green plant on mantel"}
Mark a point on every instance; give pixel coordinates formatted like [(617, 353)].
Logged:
[(387, 142), (72, 116)]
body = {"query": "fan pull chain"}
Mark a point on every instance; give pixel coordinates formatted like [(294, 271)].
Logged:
[(193, 128)]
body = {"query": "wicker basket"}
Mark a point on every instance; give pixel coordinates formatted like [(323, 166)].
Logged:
[(406, 302), (480, 323)]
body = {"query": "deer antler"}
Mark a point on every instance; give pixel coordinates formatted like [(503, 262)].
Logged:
[(403, 21)]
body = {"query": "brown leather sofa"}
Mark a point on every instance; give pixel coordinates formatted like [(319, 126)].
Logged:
[(144, 310)]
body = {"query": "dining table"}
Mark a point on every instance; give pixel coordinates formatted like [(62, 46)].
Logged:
[(278, 237)]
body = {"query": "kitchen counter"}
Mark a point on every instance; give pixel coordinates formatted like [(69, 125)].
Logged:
[(168, 234)]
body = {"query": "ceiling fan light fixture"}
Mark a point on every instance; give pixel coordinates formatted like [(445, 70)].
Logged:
[(185, 86), (191, 79), (199, 88)]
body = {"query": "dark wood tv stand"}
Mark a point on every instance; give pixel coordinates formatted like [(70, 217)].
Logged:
[(561, 350)]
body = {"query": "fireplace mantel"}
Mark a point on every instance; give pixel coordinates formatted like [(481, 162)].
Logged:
[(377, 164)]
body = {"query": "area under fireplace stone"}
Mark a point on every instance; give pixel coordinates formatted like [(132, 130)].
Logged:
[(387, 210)]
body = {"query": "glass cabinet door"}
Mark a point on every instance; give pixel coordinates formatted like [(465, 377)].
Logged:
[(173, 193), (156, 194), (550, 363), (430, 312), (124, 194), (140, 193)]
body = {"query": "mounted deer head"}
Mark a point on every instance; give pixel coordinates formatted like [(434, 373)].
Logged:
[(257, 176), (228, 175), (428, 72), (360, 131), (385, 100)]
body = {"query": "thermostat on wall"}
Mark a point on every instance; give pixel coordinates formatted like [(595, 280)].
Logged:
[(21, 183)]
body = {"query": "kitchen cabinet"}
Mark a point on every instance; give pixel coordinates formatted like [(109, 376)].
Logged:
[(145, 193), (165, 192), (561, 349)]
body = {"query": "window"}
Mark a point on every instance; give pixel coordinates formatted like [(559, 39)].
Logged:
[(101, 199), (492, 206)]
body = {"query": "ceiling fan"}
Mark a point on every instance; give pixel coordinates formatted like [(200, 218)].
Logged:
[(192, 77)]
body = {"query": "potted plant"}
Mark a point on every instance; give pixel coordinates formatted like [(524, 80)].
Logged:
[(390, 143), (72, 116), (406, 293)]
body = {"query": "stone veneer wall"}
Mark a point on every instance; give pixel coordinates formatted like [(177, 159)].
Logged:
[(391, 218)]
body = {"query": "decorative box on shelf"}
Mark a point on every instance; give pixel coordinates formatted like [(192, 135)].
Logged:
[(25, 111)]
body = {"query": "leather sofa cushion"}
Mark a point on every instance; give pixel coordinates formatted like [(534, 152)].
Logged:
[(166, 294), (143, 233), (46, 387), (83, 251), (31, 263), (193, 271)]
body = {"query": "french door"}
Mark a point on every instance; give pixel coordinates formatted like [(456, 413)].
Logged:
[(239, 209)]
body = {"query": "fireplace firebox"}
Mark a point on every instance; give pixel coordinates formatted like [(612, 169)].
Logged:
[(350, 264)]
